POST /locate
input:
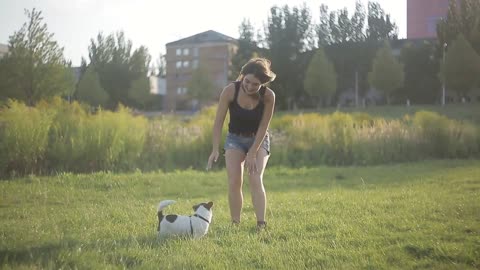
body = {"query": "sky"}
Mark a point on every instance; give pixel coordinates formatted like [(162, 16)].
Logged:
[(153, 23)]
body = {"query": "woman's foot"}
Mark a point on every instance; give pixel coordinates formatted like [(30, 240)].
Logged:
[(261, 225)]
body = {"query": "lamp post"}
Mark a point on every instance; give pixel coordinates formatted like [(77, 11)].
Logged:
[(444, 75)]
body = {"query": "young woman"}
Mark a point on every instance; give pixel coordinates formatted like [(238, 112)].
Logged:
[(250, 104)]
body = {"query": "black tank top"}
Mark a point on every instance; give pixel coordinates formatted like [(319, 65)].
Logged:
[(243, 121)]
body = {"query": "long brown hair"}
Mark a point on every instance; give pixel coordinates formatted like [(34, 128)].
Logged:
[(260, 68)]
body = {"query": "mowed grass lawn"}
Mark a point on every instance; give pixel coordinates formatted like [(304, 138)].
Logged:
[(423, 215)]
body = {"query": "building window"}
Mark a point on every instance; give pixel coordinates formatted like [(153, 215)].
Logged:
[(186, 51), (181, 90), (179, 51), (195, 63), (186, 64), (179, 64), (195, 52)]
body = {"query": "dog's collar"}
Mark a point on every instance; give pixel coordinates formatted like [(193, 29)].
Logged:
[(204, 219)]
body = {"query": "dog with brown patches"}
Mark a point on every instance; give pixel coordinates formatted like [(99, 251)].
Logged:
[(194, 226)]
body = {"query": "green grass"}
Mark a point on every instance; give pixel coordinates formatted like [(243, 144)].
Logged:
[(469, 112), (407, 216)]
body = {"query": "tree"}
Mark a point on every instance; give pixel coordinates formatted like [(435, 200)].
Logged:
[(35, 67), (140, 91), (139, 63), (201, 87), (387, 73), (247, 49), (89, 89), (287, 36), (380, 27), (346, 36), (337, 27), (463, 20), (117, 66), (462, 67), (323, 29), (358, 22), (320, 79), (159, 68), (421, 70), (345, 30)]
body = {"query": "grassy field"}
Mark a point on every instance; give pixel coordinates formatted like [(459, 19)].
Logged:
[(469, 112), (407, 216)]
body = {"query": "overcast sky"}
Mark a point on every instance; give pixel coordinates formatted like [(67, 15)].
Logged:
[(153, 23)]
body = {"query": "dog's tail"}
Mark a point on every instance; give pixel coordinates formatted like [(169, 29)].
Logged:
[(162, 205)]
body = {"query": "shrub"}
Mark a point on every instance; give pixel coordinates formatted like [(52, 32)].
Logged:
[(339, 139), (67, 141), (384, 141), (24, 138), (115, 140), (57, 136)]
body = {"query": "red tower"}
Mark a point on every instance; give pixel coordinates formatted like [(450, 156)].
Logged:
[(422, 17)]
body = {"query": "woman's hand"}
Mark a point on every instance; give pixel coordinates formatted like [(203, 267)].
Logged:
[(251, 162), (212, 158)]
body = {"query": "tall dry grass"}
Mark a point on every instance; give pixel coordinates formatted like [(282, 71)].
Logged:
[(56, 136)]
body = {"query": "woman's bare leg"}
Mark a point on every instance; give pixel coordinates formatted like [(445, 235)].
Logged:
[(259, 197), (234, 159)]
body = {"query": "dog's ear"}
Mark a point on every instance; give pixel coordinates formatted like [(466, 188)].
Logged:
[(209, 205), (195, 207)]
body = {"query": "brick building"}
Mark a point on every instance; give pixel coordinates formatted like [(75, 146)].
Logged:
[(422, 17), (210, 49)]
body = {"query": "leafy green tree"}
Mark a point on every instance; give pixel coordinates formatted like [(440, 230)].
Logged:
[(463, 19), (140, 91), (352, 60), (380, 26), (320, 79), (287, 41), (200, 86), (89, 89), (421, 81), (35, 67), (159, 69), (462, 67), (323, 28), (358, 22), (387, 72), (247, 49), (338, 27), (345, 30), (288, 35), (348, 47), (117, 66), (139, 63)]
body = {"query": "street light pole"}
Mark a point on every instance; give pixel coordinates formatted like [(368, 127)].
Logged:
[(444, 75)]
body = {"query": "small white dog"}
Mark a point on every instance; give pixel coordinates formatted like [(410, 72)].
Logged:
[(195, 226)]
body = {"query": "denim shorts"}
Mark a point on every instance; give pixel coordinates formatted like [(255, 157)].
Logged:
[(234, 141)]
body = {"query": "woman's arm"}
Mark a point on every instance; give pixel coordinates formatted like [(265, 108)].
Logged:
[(269, 100), (225, 98)]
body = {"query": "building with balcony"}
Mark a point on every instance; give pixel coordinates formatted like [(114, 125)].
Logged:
[(210, 49)]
